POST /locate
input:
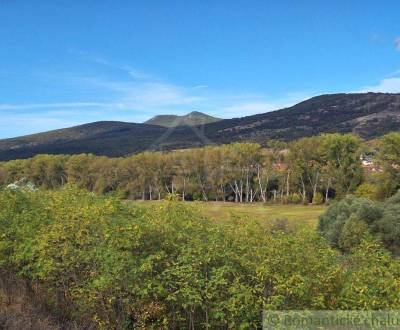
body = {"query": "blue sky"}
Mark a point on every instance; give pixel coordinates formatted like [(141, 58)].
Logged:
[(64, 63)]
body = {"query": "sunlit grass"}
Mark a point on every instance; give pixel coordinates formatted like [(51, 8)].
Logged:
[(304, 214)]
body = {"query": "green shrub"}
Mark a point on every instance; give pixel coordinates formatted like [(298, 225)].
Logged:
[(367, 190), (331, 223), (352, 233), (344, 222), (388, 227), (371, 279)]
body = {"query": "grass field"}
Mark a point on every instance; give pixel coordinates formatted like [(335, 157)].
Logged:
[(225, 211)]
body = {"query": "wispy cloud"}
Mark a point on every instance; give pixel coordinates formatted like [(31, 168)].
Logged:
[(98, 59), (387, 85), (29, 106), (29, 123), (122, 92), (150, 94), (144, 96), (154, 94), (393, 74), (199, 87)]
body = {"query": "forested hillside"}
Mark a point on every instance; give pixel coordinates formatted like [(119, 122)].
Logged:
[(368, 115)]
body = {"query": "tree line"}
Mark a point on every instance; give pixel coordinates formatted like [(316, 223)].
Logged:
[(313, 169)]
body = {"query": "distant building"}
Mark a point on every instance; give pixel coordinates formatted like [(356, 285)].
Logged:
[(367, 162)]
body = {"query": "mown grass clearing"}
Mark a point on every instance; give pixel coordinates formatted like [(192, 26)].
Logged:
[(306, 214)]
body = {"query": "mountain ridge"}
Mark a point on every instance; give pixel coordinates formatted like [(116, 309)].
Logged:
[(191, 119), (368, 115)]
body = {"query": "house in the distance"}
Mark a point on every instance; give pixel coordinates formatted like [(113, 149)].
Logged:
[(368, 164)]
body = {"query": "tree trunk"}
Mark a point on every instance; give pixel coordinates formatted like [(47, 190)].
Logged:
[(241, 191), (262, 190), (327, 190), (247, 187), (184, 189), (303, 195), (288, 184)]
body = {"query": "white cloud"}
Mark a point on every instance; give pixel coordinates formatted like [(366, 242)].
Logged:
[(200, 87), (149, 94), (387, 85), (32, 123), (152, 95), (159, 94), (393, 74), (28, 106), (130, 95), (132, 72), (144, 96), (134, 100)]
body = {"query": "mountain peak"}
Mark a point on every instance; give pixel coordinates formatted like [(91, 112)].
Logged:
[(191, 119), (196, 113)]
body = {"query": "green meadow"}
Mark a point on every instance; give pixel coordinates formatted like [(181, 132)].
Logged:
[(302, 214)]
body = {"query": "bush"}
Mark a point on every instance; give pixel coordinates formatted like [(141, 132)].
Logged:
[(367, 190), (344, 222), (331, 223), (388, 227), (371, 279), (352, 233)]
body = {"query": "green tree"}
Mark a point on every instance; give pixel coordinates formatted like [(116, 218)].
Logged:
[(389, 159), (342, 161), (306, 166)]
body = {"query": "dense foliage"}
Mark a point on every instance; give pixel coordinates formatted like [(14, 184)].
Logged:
[(314, 169), (346, 223), (99, 258)]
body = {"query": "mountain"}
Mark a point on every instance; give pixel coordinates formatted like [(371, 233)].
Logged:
[(105, 137), (191, 119), (368, 115)]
